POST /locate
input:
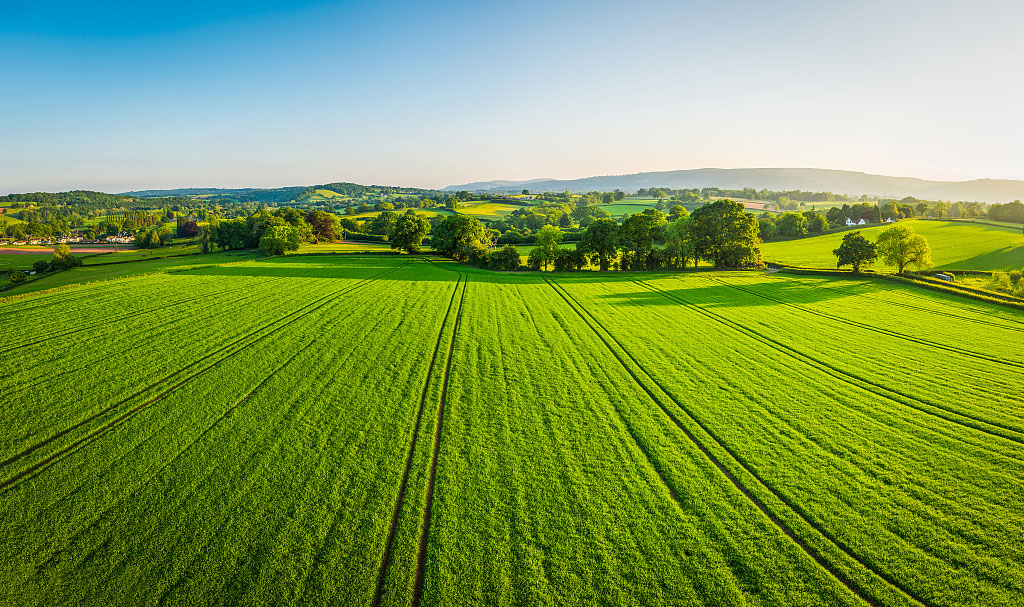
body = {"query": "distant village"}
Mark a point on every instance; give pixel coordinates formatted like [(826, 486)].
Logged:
[(74, 238)]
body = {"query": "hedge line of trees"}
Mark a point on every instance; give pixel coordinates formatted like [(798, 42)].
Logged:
[(721, 233)]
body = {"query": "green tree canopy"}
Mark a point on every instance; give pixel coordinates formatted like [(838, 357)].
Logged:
[(409, 232), (278, 239), (459, 237), (900, 246), (601, 238), (791, 224), (725, 234), (855, 250), (547, 244)]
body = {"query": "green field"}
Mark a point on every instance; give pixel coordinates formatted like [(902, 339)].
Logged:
[(391, 430), (488, 210), (342, 247), (955, 245), (93, 273)]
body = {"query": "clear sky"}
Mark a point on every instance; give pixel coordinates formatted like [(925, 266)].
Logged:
[(129, 95)]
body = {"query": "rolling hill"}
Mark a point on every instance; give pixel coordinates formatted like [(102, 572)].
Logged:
[(955, 246), (841, 182)]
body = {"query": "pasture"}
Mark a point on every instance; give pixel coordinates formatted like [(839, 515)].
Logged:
[(956, 245), (387, 430)]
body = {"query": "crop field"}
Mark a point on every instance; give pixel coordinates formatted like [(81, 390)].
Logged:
[(393, 430), (488, 210), (955, 245)]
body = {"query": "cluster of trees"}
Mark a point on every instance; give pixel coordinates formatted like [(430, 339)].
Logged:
[(722, 233), (1011, 212), (897, 245), (151, 238), (791, 225)]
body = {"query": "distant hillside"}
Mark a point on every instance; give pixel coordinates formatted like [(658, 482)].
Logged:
[(840, 182), (280, 195)]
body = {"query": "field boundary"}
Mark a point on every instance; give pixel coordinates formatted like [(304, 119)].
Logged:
[(389, 545), (818, 558)]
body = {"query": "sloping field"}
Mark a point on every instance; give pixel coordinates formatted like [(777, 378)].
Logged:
[(955, 245), (386, 430)]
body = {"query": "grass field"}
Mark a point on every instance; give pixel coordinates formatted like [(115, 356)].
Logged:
[(392, 430), (342, 247), (420, 212), (955, 245), (488, 210), (93, 273)]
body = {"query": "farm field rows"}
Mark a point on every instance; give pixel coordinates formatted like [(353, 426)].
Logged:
[(955, 245), (387, 430)]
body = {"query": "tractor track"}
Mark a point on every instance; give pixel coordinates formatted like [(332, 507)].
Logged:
[(389, 546), (297, 315), (837, 574), (877, 295), (863, 325), (107, 321), (245, 398), (421, 558), (84, 364), (957, 417)]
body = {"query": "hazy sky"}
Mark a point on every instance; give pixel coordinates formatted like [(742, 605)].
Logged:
[(127, 95)]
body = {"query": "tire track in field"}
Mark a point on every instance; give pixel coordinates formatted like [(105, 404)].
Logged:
[(43, 300), (305, 311), (421, 558), (83, 364), (863, 325), (877, 296), (960, 418), (389, 546), (245, 398), (107, 321), (818, 558)]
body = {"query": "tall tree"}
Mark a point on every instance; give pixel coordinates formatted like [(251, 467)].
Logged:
[(459, 237), (637, 236), (678, 243), (324, 226), (855, 250), (725, 234), (601, 238), (547, 244), (409, 232), (900, 246)]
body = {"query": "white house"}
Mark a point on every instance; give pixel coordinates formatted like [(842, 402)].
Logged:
[(889, 220), (850, 222), (862, 222)]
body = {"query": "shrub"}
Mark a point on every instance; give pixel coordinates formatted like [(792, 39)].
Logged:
[(40, 266), (17, 277)]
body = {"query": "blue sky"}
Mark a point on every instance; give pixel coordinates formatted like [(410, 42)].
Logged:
[(118, 95)]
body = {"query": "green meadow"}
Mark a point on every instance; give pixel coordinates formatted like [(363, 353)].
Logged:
[(955, 245), (395, 430)]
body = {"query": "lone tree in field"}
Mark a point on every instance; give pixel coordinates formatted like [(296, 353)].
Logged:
[(856, 251), (409, 232), (899, 246)]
